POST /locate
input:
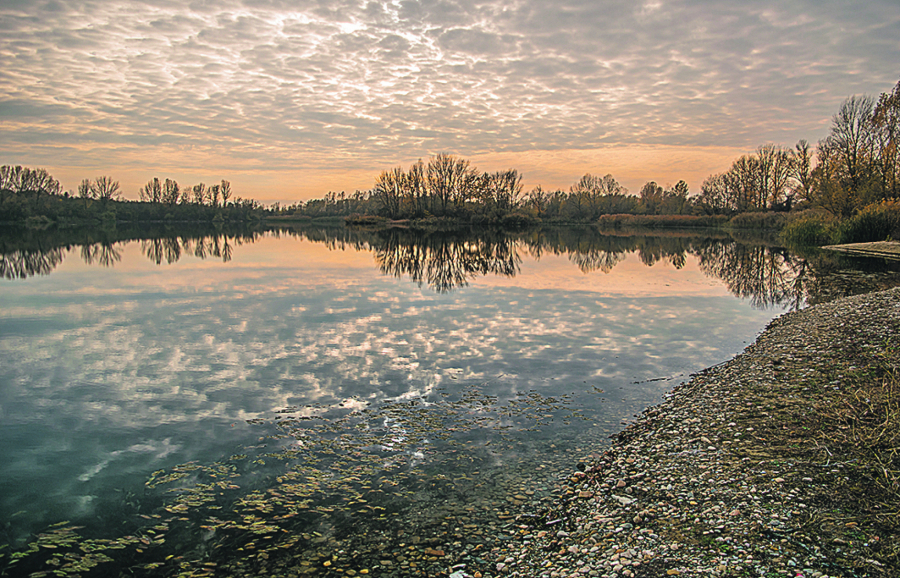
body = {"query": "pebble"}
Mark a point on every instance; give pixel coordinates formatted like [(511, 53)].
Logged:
[(700, 502)]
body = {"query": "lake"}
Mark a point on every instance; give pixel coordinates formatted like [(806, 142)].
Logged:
[(329, 401)]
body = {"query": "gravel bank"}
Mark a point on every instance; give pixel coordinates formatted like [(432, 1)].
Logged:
[(730, 475)]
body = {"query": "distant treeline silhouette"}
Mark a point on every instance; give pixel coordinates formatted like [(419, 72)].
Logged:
[(33, 196), (449, 187), (855, 166)]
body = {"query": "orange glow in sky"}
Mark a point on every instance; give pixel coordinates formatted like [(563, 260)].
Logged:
[(289, 101)]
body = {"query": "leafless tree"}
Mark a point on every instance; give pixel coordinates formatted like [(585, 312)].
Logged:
[(389, 188), (200, 195), (850, 142), (886, 122), (225, 191), (802, 172), (105, 189), (86, 189), (152, 191)]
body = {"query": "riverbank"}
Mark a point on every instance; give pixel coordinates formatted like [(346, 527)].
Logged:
[(780, 462), (884, 249)]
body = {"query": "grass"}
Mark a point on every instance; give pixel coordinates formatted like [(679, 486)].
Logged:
[(809, 229), (760, 220), (876, 222), (846, 438), (660, 221)]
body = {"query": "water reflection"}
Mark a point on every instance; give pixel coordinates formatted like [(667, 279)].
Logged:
[(103, 254), (171, 249), (26, 253), (445, 261), (21, 264), (288, 417), (766, 274)]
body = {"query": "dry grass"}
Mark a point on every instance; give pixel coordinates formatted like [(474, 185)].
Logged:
[(847, 439), (830, 416)]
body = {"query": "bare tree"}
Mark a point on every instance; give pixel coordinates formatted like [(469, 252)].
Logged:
[(850, 143), (105, 189), (802, 172), (417, 187), (389, 189), (170, 192), (774, 169), (200, 194), (450, 180), (225, 191), (85, 189), (152, 191), (886, 123), (714, 198), (537, 200), (214, 195)]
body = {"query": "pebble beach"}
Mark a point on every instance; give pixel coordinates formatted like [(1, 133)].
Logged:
[(708, 483)]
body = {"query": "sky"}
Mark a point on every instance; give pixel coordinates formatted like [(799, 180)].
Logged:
[(291, 99)]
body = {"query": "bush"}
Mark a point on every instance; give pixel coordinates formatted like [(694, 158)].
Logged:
[(876, 222), (809, 229), (357, 220), (659, 221), (773, 220), (518, 221)]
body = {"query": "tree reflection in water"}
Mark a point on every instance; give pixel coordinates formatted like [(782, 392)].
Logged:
[(25, 263), (445, 261), (103, 254), (767, 275)]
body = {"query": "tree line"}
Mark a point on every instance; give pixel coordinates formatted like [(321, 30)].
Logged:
[(855, 166), (34, 196), (450, 187)]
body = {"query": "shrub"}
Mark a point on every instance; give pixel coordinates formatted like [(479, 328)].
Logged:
[(772, 220), (659, 221), (365, 220), (876, 222), (809, 229), (517, 221)]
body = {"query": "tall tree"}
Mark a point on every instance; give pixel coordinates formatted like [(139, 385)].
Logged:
[(801, 172), (389, 189), (450, 181), (886, 125), (651, 197), (170, 192), (105, 189), (200, 194), (225, 191), (152, 191), (86, 189), (849, 145)]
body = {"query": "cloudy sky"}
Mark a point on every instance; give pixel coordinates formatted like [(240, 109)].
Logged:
[(290, 99)]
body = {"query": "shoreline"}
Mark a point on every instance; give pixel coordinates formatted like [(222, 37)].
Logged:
[(885, 249), (739, 472)]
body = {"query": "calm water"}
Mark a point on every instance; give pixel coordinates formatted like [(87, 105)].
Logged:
[(316, 393)]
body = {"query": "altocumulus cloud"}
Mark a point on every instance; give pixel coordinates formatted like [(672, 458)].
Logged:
[(268, 85)]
